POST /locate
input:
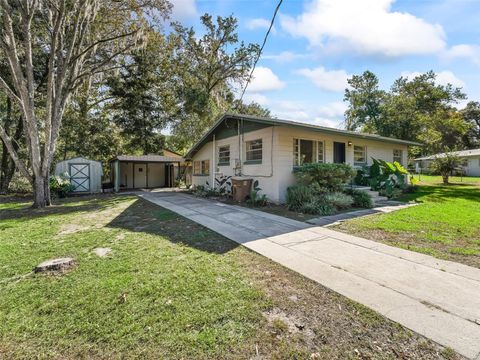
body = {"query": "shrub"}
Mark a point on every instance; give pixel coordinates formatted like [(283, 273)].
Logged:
[(255, 199), (328, 176), (317, 206), (19, 184), (339, 200), (445, 165), (298, 195), (60, 185), (360, 198)]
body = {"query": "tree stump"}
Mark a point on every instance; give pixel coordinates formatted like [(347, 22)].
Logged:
[(60, 264)]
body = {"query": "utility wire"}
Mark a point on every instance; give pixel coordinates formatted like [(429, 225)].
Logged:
[(261, 49)]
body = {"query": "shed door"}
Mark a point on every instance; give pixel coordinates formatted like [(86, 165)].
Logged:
[(80, 177), (140, 176)]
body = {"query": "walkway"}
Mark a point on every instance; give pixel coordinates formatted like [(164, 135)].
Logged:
[(438, 299)]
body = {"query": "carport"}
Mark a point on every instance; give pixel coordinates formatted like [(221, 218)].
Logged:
[(144, 171)]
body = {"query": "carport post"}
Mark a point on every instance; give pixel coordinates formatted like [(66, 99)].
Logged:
[(116, 185)]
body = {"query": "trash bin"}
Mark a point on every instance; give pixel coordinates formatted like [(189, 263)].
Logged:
[(241, 188)]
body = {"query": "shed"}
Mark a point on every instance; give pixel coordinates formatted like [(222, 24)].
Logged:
[(85, 174)]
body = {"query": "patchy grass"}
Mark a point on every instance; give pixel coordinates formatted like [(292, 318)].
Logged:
[(445, 224), (436, 179), (169, 289)]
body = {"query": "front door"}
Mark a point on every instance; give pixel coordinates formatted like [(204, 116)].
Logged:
[(338, 152), (139, 175)]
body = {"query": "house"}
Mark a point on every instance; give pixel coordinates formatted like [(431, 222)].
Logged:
[(85, 174), (267, 150), (470, 161), (146, 171)]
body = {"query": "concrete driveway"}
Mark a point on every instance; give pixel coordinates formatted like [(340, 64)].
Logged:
[(438, 299)]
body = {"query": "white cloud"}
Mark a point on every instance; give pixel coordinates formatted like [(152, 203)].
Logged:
[(332, 110), (331, 80), (184, 9), (443, 78), (263, 79), (259, 23), (256, 97), (285, 56), (467, 51), (367, 27)]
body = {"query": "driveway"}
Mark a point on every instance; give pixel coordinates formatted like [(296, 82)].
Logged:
[(438, 299)]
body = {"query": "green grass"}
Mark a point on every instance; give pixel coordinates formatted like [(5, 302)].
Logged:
[(444, 224), (170, 289)]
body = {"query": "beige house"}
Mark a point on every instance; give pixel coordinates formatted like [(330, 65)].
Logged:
[(267, 150), (470, 161)]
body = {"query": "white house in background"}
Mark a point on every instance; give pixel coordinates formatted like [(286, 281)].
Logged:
[(267, 150), (471, 161)]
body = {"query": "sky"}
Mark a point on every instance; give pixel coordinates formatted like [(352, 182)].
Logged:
[(317, 44)]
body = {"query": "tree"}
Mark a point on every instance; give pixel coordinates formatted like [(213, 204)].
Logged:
[(445, 165), (471, 115), (138, 102), (364, 103), (80, 38), (206, 68)]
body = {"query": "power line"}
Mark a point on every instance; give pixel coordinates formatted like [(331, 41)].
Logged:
[(261, 49)]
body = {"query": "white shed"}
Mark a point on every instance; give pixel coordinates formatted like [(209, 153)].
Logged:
[(85, 174)]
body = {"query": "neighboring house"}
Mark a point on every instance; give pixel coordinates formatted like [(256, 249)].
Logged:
[(146, 171), (470, 161), (85, 174), (267, 150)]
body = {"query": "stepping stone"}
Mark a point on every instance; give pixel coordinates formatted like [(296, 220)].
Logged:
[(60, 264), (102, 252)]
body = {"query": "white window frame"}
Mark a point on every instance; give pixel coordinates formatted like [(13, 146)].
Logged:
[(249, 150), (317, 146), (221, 150), (364, 150), (396, 157)]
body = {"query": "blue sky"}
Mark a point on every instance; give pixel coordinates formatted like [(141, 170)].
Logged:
[(317, 44)]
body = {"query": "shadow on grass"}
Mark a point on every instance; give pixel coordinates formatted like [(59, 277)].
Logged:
[(444, 192), (145, 217), (60, 206)]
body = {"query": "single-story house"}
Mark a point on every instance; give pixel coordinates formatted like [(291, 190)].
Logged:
[(267, 150), (470, 161), (146, 171)]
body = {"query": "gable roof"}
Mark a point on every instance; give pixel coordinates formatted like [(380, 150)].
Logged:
[(281, 122), (462, 153)]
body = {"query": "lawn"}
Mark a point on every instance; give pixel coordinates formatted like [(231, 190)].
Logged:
[(169, 289), (446, 224)]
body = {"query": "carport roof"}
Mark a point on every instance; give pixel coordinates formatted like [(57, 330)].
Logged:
[(148, 158)]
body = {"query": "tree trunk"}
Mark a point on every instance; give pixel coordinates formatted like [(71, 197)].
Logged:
[(445, 179), (39, 196)]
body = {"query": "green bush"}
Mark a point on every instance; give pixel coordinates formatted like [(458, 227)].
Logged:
[(298, 195), (360, 198), (19, 184), (255, 199), (317, 206), (326, 176), (60, 185), (339, 200)]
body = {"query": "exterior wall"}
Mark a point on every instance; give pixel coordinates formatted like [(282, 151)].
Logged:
[(96, 171), (473, 167), (263, 172), (284, 152), (155, 173)]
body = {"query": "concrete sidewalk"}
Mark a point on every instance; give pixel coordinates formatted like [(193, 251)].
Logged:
[(438, 299)]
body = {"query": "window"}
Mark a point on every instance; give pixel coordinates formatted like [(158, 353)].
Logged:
[(224, 155), (397, 155), (254, 150), (205, 167), (307, 151), (359, 155), (201, 167)]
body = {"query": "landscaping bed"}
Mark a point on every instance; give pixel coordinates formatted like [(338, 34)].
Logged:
[(169, 288), (446, 224)]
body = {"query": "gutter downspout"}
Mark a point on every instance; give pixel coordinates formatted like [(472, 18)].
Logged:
[(213, 163)]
